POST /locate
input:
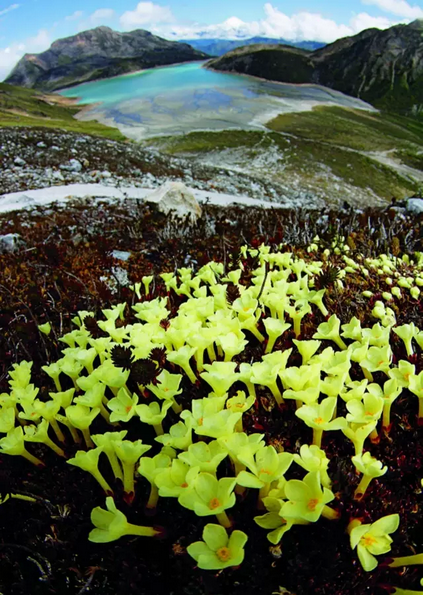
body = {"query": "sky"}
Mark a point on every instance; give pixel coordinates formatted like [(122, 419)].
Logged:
[(30, 26)]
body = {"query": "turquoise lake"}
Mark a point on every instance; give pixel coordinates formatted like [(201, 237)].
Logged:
[(185, 97)]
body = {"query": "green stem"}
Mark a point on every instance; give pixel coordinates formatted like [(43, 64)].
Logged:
[(87, 438), (59, 451), (340, 343), (223, 519), (407, 560), (420, 407), (104, 413), (374, 436), (114, 463), (367, 374), (253, 329), (128, 477), (199, 358), (99, 477), (29, 457), (22, 497), (211, 353), (297, 325), (398, 591), (74, 433), (56, 429), (317, 437), (158, 428), (141, 531), (188, 371), (57, 384), (276, 392), (153, 498), (330, 513), (362, 487), (386, 418), (270, 344), (263, 493), (176, 407)]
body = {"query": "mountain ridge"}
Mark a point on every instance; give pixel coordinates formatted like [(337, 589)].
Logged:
[(382, 67), (96, 54), (218, 47)]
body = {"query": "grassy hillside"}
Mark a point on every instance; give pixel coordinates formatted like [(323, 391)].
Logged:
[(328, 147), (25, 107)]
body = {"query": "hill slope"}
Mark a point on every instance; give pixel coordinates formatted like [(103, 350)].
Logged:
[(95, 54), (384, 68), (26, 107), (218, 47)]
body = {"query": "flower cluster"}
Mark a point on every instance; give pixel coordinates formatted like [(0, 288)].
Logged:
[(341, 377)]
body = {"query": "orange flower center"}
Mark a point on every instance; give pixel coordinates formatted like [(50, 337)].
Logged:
[(367, 540), (265, 471), (312, 504), (128, 409), (184, 485), (223, 554), (214, 503), (318, 420), (200, 421)]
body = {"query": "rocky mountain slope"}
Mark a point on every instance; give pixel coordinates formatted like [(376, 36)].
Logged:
[(96, 54), (384, 68), (218, 47)]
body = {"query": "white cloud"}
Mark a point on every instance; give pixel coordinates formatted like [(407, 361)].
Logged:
[(399, 8), (97, 18), (146, 13), (296, 27), (9, 9), (363, 21), (10, 55), (75, 16), (102, 14)]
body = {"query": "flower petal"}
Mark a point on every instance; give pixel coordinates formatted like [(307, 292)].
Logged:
[(237, 541), (215, 536), (368, 561), (198, 548)]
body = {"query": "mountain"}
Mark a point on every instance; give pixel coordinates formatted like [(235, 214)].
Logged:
[(218, 47), (96, 54), (384, 68)]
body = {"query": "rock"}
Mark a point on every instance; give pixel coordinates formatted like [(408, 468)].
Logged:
[(10, 242), (19, 161), (415, 206), (121, 254), (41, 145), (57, 175), (175, 197), (74, 165), (105, 174), (85, 163)]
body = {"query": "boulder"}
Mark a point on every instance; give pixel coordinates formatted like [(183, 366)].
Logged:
[(415, 206), (176, 198), (19, 162), (10, 242)]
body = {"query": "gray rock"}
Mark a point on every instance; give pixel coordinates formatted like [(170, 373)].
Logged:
[(74, 165), (41, 145), (106, 174), (415, 206), (121, 255), (175, 198), (10, 242), (19, 161)]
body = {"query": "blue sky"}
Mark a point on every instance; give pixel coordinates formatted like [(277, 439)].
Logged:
[(29, 26)]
